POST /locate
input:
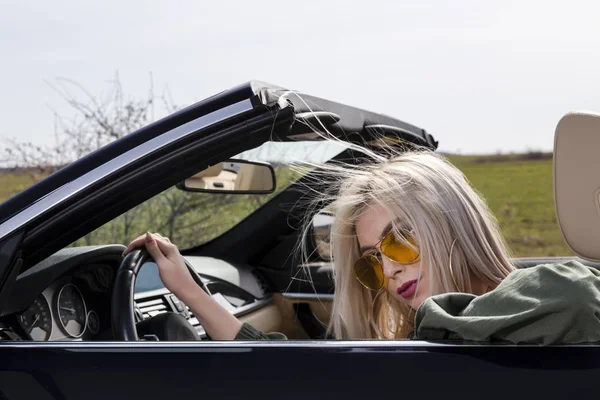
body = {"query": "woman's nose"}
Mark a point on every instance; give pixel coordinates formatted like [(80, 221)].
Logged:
[(390, 268)]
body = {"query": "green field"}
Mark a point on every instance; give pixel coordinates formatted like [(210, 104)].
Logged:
[(11, 184), (517, 188), (519, 192)]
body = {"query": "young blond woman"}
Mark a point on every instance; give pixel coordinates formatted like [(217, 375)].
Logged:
[(418, 255)]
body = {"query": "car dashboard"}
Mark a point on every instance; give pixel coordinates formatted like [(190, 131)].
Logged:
[(67, 297), (72, 307), (236, 287)]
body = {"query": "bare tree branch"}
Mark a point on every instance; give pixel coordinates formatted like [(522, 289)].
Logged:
[(98, 120)]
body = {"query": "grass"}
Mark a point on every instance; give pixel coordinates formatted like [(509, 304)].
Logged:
[(518, 189), (13, 183), (519, 192)]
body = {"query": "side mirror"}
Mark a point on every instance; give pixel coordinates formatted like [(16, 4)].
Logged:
[(233, 177), (321, 225)]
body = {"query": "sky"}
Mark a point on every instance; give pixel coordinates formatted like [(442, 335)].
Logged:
[(481, 76)]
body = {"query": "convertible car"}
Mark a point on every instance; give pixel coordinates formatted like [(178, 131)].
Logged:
[(79, 320)]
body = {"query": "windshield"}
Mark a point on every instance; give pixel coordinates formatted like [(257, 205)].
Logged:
[(191, 219)]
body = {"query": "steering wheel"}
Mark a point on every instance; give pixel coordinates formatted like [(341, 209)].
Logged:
[(169, 325)]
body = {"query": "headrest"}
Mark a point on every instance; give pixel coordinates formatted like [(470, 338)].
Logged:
[(577, 182)]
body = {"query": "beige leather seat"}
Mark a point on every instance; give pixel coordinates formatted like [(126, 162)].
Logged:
[(577, 182)]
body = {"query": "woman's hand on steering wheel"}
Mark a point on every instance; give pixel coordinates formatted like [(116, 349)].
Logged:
[(216, 320), (172, 269)]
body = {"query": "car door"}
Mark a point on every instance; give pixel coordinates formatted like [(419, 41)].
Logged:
[(293, 370)]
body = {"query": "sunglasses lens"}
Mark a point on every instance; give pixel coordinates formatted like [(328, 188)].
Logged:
[(369, 272), (398, 251)]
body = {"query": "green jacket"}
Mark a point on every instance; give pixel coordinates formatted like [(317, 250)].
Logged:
[(545, 304)]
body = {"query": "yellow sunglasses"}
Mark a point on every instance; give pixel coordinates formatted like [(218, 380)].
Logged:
[(369, 268)]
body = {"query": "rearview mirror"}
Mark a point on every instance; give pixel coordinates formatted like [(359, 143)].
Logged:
[(234, 177)]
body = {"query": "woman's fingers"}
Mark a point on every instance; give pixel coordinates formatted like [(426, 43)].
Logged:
[(168, 248), (135, 243), (153, 248), (164, 244), (140, 240), (166, 239)]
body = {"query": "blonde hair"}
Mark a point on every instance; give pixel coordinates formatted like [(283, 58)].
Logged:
[(457, 235)]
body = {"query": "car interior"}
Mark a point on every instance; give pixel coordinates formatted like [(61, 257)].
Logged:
[(251, 269), (67, 296)]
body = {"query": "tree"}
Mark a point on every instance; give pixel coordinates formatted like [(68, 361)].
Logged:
[(96, 122), (186, 218)]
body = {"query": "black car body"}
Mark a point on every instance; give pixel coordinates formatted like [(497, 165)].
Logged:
[(250, 265)]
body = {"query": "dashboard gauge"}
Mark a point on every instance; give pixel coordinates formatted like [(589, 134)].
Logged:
[(93, 322), (37, 319), (71, 310)]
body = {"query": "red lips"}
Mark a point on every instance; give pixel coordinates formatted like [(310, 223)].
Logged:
[(408, 289)]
